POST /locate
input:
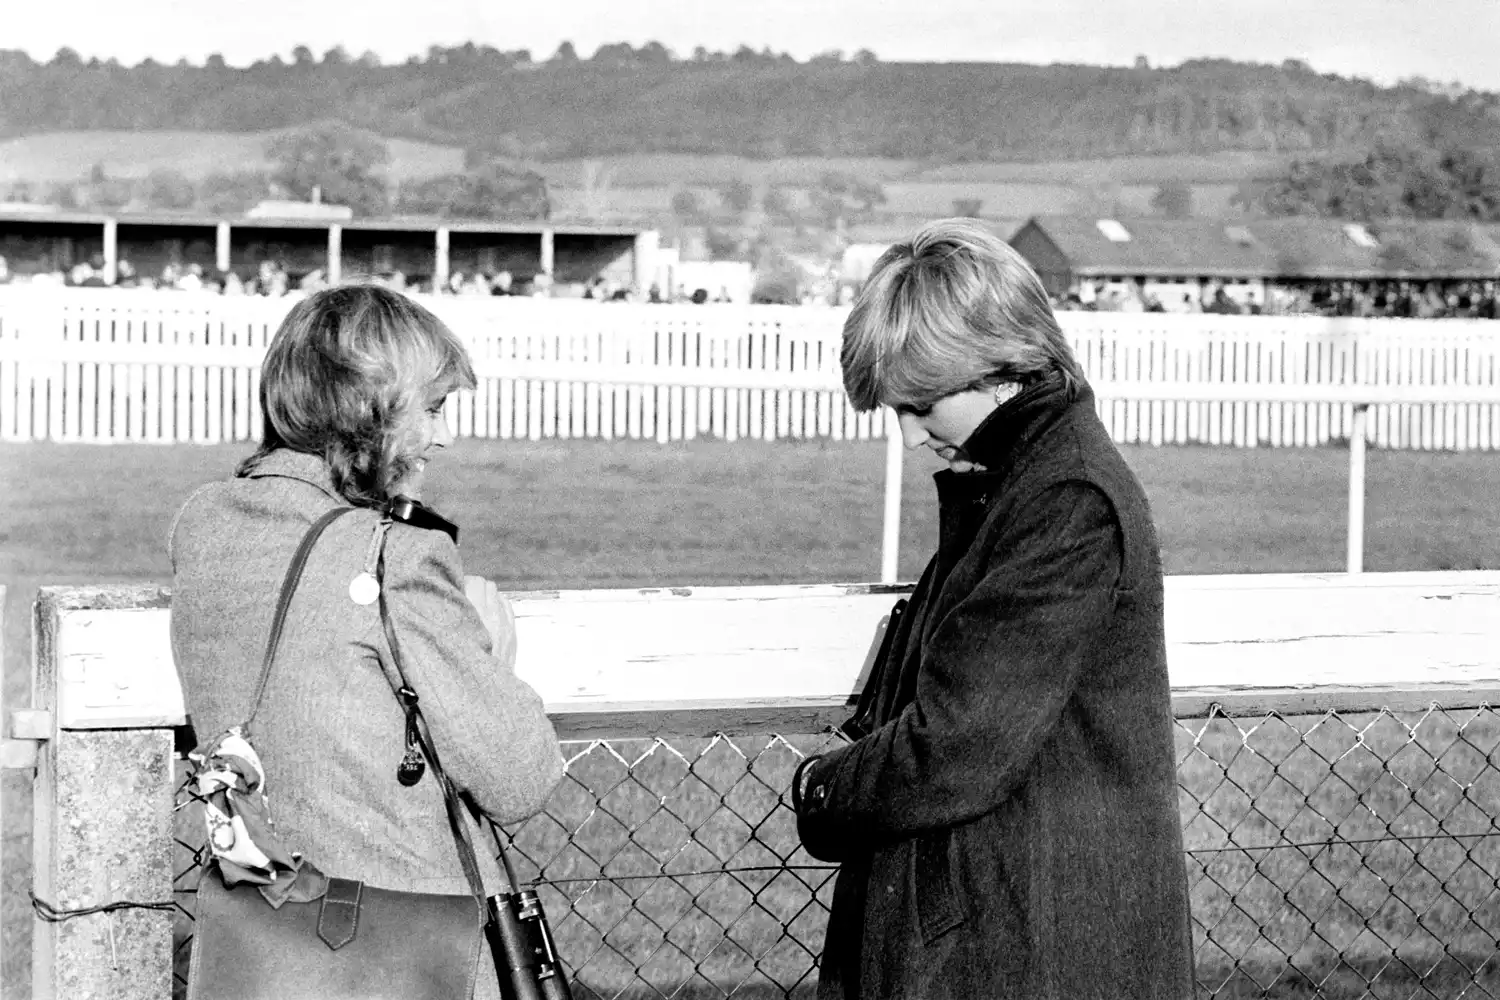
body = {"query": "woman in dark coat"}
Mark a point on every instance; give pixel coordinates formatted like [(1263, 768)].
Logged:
[(1005, 818)]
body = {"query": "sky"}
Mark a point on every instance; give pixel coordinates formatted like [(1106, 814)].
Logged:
[(1381, 40)]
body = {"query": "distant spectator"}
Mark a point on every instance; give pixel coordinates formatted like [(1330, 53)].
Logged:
[(700, 296), (313, 281), (1222, 304), (503, 284), (81, 274)]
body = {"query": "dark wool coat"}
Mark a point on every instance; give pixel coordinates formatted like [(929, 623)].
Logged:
[(1008, 826)]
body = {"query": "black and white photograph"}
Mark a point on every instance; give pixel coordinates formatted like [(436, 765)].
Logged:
[(822, 500)]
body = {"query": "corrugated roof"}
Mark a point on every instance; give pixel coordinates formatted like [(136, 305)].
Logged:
[(1287, 248), (1322, 248), (1160, 247)]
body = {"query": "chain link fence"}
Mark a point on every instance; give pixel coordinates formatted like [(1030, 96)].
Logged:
[(1336, 855)]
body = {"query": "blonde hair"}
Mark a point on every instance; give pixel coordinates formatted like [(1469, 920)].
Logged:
[(346, 373), (953, 308)]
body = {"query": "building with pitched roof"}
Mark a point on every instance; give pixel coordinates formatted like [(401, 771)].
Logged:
[(1173, 258)]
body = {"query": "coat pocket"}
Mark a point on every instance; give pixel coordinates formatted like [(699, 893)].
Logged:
[(939, 906)]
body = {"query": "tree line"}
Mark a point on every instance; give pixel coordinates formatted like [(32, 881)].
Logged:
[(631, 99)]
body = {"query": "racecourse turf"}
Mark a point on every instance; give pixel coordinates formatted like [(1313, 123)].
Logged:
[(598, 514)]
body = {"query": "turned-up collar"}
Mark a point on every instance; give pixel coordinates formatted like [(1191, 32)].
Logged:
[(285, 463), (1018, 422)]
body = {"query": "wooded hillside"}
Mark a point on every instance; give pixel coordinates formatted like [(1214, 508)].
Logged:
[(628, 100)]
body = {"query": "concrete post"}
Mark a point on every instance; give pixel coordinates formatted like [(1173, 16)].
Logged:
[(102, 830), (222, 259), (17, 765), (335, 253), (111, 251), (440, 263)]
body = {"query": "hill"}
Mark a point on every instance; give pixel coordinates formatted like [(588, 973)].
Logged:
[(761, 108)]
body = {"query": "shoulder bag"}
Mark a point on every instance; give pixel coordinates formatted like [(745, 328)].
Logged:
[(303, 934)]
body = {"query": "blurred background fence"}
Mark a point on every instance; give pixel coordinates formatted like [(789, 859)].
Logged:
[(167, 367)]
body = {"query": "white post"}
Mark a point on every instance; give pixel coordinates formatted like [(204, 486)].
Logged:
[(335, 253), (221, 246), (1356, 553), (548, 250), (644, 259), (111, 251), (890, 544), (440, 264)]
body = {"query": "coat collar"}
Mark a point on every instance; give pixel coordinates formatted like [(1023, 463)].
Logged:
[(1006, 433), (284, 463)]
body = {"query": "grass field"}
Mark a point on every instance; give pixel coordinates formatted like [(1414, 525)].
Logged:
[(56, 156), (642, 185), (591, 514), (579, 514)]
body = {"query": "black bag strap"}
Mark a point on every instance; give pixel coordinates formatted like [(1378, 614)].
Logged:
[(407, 696), (288, 588)]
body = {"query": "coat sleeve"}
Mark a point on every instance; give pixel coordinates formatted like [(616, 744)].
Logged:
[(993, 680), (488, 725)]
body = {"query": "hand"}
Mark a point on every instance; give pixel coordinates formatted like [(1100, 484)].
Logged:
[(496, 613)]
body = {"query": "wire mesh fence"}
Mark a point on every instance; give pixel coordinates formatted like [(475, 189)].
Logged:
[(1336, 855)]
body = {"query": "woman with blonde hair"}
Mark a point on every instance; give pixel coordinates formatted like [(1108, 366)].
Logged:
[(1005, 815), (353, 388)]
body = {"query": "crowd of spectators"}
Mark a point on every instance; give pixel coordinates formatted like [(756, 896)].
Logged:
[(1374, 298), (1371, 298), (272, 279)]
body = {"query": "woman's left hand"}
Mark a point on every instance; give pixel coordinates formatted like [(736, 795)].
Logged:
[(499, 619)]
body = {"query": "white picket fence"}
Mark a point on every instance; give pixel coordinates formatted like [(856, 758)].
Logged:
[(109, 365)]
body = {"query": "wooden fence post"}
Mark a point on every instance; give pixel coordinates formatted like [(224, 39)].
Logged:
[(102, 830)]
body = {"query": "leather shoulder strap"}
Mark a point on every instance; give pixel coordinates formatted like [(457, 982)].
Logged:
[(288, 588), (407, 696)]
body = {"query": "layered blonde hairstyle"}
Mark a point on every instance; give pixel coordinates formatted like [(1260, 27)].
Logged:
[(347, 375), (953, 308)]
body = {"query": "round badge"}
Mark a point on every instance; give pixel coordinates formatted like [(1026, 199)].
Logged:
[(363, 589)]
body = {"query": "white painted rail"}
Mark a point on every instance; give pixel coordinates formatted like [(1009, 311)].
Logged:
[(623, 657)]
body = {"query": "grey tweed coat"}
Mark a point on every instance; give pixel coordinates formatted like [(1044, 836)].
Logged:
[(330, 732)]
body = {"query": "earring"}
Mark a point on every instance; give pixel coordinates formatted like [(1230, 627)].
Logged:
[(1005, 391)]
